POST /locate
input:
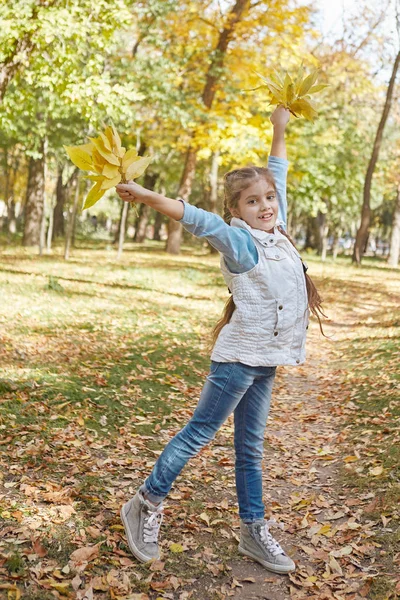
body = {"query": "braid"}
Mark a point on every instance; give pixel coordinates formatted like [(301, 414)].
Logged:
[(227, 216)]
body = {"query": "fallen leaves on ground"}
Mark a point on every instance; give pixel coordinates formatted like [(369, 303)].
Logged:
[(101, 399)]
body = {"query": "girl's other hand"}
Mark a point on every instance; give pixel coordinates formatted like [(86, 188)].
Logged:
[(280, 117), (132, 192)]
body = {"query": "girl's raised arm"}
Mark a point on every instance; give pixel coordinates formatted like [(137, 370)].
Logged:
[(277, 160), (279, 119)]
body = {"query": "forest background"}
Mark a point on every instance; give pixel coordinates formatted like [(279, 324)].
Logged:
[(173, 78)]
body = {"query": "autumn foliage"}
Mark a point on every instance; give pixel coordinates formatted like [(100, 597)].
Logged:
[(111, 162), (294, 93)]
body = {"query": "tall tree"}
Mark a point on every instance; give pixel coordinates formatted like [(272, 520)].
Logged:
[(363, 230), (213, 74), (34, 205), (19, 44), (395, 237)]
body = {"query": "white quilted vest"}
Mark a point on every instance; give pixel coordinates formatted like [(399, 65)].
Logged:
[(268, 327)]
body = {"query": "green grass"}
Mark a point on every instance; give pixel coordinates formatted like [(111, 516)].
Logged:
[(101, 361)]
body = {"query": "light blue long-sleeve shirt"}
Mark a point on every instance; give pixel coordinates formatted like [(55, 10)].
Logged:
[(236, 244)]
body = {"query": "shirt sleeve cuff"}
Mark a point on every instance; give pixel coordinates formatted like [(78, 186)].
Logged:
[(278, 161), (188, 213)]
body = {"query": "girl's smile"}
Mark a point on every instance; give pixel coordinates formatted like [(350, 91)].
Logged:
[(258, 206)]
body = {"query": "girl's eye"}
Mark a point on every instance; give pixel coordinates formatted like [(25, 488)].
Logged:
[(271, 197)]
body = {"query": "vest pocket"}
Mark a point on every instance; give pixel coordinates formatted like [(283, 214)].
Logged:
[(271, 319), (274, 253)]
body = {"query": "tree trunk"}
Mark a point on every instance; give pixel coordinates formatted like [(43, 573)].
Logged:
[(11, 217), (145, 210), (34, 201), (335, 245), (122, 228), (313, 238), (141, 223), (322, 235), (118, 230), (185, 187), (6, 184), (308, 242), (50, 227), (324, 245), (395, 237), (290, 223), (71, 222), (61, 196), (10, 176), (42, 237), (58, 213), (214, 73), (213, 179), (158, 221), (363, 230)]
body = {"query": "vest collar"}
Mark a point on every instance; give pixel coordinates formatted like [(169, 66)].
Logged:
[(260, 235), (265, 238)]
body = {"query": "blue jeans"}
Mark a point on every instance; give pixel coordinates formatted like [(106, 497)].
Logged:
[(229, 387)]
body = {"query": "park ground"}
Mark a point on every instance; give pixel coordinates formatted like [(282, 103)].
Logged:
[(101, 362)]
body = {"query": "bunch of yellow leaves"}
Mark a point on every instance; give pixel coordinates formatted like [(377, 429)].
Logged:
[(105, 156), (294, 93)]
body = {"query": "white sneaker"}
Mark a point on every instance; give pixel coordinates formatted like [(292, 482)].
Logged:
[(142, 522), (256, 542)]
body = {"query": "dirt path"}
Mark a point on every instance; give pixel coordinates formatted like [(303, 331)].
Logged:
[(323, 530), (62, 488)]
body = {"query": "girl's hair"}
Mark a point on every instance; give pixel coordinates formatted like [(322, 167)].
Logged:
[(234, 183)]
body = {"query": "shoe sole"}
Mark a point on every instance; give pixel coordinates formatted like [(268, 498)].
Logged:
[(280, 569), (135, 551)]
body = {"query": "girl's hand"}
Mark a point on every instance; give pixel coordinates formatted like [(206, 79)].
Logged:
[(280, 117), (133, 192)]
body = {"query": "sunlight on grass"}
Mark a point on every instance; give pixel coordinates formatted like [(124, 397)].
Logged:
[(101, 362)]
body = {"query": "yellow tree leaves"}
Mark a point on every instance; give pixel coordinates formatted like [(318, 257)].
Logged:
[(294, 93), (106, 156)]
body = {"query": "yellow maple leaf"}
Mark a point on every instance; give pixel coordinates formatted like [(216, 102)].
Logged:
[(106, 142), (94, 195), (176, 548), (110, 171), (109, 183), (102, 150), (81, 158), (303, 107), (324, 529), (138, 167), (129, 158)]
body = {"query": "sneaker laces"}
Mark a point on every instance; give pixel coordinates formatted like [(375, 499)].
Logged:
[(269, 542), (152, 524)]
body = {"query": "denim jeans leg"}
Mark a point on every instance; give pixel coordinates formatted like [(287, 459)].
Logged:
[(250, 419), (225, 386)]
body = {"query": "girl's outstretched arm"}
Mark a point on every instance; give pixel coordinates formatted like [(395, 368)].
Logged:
[(279, 119), (234, 243), (167, 206)]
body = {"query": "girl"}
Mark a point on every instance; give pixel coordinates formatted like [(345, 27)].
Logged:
[(264, 325)]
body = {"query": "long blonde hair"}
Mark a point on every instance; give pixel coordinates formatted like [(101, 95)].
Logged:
[(234, 183)]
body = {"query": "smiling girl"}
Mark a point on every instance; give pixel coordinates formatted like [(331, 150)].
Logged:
[(264, 325)]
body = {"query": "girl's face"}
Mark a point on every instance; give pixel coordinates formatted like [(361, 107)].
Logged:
[(258, 206)]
